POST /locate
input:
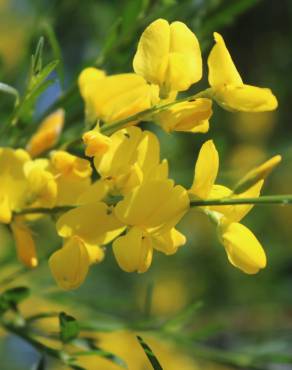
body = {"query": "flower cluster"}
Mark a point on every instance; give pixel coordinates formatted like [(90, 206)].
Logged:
[(133, 204)]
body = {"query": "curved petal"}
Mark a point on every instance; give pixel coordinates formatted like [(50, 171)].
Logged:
[(70, 264), (93, 222), (169, 242), (151, 58), (25, 245), (245, 98), (133, 251), (243, 249), (222, 70), (206, 170)]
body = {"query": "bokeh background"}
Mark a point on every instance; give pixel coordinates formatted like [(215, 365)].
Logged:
[(237, 315)]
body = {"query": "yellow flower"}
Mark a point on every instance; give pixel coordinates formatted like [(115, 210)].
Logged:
[(47, 134), (190, 116), (151, 211), (72, 175), (243, 249), (92, 222), (168, 55), (228, 88), (111, 98), (42, 183), (70, 264), (25, 244), (96, 144), (132, 156), (14, 186)]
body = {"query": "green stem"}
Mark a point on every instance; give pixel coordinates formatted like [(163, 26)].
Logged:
[(107, 129), (265, 199)]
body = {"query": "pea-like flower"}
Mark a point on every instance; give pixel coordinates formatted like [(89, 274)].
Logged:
[(151, 212), (168, 55), (228, 88), (243, 249)]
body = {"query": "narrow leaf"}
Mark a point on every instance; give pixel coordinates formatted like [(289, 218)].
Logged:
[(10, 90), (148, 352)]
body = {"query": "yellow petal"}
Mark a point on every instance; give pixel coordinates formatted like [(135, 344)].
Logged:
[(151, 58), (154, 205), (222, 70), (235, 213), (69, 265), (47, 134), (185, 61), (96, 144), (70, 165), (186, 116), (245, 98), (206, 170), (258, 173), (5, 210), (243, 249), (93, 223), (169, 242), (14, 187), (88, 78), (25, 245), (96, 192), (133, 251)]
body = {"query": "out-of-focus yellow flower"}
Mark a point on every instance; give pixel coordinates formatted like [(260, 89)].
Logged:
[(151, 211), (190, 116), (228, 88), (132, 156), (242, 248), (111, 98), (70, 264), (47, 134), (25, 244), (96, 143), (168, 55), (72, 175), (14, 186)]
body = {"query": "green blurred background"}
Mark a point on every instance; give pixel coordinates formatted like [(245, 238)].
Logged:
[(240, 313)]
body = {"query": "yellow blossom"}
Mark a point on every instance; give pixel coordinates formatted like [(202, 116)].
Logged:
[(228, 88), (70, 264), (14, 186), (47, 134), (243, 249), (168, 55), (132, 156), (72, 175), (151, 211), (25, 244), (111, 98), (96, 143), (190, 116)]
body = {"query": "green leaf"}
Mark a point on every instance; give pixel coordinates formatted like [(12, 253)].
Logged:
[(36, 59), (105, 354), (132, 11), (176, 322), (11, 297), (57, 52), (109, 42), (40, 77), (10, 90), (151, 357), (69, 327)]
